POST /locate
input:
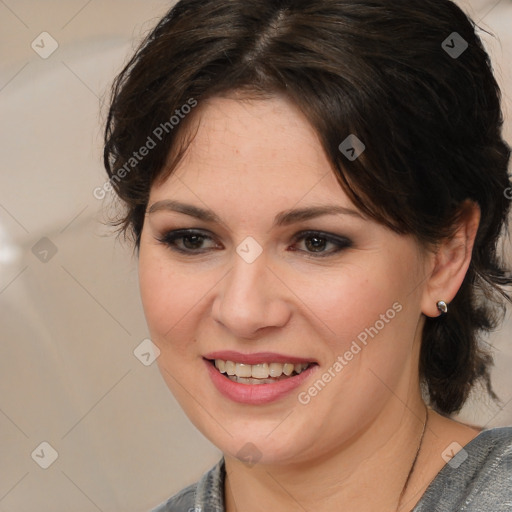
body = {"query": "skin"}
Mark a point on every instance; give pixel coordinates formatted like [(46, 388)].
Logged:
[(249, 161)]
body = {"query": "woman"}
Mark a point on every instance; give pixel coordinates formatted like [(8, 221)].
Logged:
[(316, 189)]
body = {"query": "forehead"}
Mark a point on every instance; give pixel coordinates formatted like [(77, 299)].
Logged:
[(258, 149)]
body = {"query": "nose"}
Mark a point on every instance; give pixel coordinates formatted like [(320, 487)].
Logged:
[(251, 298)]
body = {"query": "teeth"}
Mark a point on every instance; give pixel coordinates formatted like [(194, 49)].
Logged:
[(258, 373), (230, 368), (299, 367), (243, 370), (275, 369), (288, 368), (243, 380)]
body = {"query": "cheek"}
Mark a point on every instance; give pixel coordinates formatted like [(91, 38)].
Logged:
[(364, 314), (167, 295), (349, 300)]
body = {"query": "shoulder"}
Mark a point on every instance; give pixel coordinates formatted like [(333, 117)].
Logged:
[(478, 477), (181, 502), (207, 495), (495, 440)]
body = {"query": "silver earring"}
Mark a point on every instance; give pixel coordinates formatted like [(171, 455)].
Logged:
[(442, 307)]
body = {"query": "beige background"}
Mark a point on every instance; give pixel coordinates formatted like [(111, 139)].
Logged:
[(69, 326)]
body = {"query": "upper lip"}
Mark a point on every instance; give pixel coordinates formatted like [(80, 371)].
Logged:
[(256, 357)]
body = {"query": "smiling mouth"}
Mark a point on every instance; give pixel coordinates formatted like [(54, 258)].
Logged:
[(263, 373)]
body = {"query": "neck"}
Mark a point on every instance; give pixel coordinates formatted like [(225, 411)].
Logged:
[(365, 474)]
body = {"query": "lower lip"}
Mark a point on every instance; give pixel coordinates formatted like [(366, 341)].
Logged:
[(256, 394)]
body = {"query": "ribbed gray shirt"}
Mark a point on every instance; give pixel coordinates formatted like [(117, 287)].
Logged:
[(477, 479)]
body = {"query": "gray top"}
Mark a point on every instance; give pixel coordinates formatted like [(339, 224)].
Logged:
[(477, 479)]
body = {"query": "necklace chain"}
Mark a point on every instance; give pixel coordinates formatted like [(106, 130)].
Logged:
[(404, 488)]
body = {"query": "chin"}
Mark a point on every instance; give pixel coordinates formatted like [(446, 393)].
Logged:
[(260, 445)]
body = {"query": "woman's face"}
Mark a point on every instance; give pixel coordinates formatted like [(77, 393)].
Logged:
[(266, 281)]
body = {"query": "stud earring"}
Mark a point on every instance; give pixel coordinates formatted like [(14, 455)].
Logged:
[(442, 307)]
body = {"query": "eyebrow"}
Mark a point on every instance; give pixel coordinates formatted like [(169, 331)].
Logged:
[(283, 218)]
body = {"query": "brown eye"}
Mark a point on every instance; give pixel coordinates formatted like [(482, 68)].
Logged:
[(187, 241), (318, 243), (192, 241)]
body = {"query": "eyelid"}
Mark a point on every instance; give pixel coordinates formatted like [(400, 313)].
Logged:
[(322, 234), (169, 236)]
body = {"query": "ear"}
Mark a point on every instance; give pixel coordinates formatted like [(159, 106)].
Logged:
[(451, 260)]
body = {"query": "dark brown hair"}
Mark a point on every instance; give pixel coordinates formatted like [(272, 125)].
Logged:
[(391, 72)]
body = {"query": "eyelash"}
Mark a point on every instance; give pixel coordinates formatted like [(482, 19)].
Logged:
[(169, 240)]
